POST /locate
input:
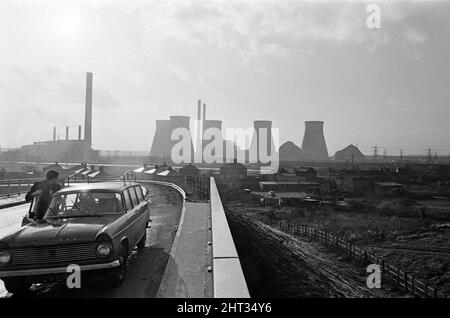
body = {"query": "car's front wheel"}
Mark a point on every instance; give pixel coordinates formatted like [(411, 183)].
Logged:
[(17, 286), (118, 274)]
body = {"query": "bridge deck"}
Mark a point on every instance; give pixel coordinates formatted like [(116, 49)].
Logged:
[(186, 274)]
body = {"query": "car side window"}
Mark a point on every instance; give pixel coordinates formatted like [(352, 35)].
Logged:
[(134, 197), (127, 199), (140, 194)]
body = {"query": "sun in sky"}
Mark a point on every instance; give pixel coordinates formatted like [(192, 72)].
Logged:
[(68, 23)]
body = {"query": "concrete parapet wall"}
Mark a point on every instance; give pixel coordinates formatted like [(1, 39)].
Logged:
[(229, 280)]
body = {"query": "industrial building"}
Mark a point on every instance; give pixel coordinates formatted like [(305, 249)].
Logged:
[(162, 142), (359, 180), (65, 150)]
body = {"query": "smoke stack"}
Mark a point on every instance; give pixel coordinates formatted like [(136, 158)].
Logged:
[(259, 125), (54, 133), (199, 109), (161, 146), (180, 122), (79, 132), (314, 144), (199, 137), (204, 111), (67, 132), (88, 111)]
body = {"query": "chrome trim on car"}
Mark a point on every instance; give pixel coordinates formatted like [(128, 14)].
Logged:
[(57, 270)]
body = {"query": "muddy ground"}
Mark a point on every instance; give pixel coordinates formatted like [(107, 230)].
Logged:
[(301, 268)]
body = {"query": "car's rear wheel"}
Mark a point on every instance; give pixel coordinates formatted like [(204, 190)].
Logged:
[(17, 286), (117, 275), (143, 240)]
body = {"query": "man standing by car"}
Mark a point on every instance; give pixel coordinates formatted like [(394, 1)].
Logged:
[(43, 190)]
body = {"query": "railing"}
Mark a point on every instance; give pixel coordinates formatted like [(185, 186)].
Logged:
[(76, 178), (402, 278), (12, 187)]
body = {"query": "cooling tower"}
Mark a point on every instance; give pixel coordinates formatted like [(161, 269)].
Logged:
[(207, 124), (180, 122), (161, 145), (258, 126), (313, 143)]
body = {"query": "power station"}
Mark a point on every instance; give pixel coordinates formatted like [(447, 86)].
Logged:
[(63, 150)]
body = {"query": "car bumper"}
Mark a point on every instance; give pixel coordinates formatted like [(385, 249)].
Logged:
[(56, 270)]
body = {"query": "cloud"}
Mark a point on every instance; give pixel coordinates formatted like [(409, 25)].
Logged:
[(415, 36), (50, 84)]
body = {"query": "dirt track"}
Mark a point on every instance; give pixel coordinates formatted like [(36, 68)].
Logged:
[(277, 264)]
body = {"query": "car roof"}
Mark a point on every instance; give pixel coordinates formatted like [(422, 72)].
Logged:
[(98, 186)]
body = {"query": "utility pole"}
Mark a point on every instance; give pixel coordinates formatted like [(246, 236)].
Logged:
[(401, 155), (429, 156), (375, 153)]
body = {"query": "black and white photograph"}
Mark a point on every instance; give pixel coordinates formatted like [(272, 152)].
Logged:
[(224, 154)]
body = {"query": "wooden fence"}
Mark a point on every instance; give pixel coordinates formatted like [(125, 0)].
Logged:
[(402, 278)]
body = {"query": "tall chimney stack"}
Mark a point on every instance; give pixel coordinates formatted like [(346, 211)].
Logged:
[(204, 111), (79, 132), (199, 135), (54, 133), (88, 111), (67, 132)]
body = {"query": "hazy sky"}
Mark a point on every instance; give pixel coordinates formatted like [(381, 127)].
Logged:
[(288, 61)]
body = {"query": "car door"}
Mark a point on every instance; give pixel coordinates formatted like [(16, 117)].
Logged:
[(136, 216), (128, 220), (143, 209)]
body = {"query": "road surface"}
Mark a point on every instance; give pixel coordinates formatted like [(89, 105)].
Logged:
[(146, 267)]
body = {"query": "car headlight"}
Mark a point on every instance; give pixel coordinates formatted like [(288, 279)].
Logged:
[(104, 250), (5, 257)]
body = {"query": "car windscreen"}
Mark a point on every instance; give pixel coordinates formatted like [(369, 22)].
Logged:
[(84, 203)]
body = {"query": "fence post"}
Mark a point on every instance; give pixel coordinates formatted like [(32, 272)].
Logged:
[(406, 281), (387, 270), (9, 189), (18, 189), (350, 250)]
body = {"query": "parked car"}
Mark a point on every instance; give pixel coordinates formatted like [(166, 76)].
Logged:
[(94, 226)]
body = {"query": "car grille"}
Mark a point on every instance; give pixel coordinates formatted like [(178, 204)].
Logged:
[(53, 254)]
